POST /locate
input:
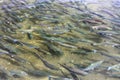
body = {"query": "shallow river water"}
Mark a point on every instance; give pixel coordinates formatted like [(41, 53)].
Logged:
[(56, 34)]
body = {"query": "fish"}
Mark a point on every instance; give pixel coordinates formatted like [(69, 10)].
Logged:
[(110, 13), (103, 34), (74, 76), (93, 66), (53, 49), (57, 78), (78, 65), (116, 3), (117, 46), (82, 51), (35, 72), (17, 73), (74, 70), (101, 27), (66, 5), (115, 75), (8, 48), (11, 40), (48, 65), (29, 36), (93, 21), (66, 45), (43, 51), (3, 51), (96, 14), (114, 67), (19, 59), (29, 45), (116, 58), (109, 32), (4, 73)]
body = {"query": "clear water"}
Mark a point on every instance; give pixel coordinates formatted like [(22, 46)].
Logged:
[(34, 28)]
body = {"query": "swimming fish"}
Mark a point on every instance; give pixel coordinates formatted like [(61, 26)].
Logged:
[(4, 74), (48, 65), (57, 78), (114, 67), (74, 76), (74, 70), (93, 66)]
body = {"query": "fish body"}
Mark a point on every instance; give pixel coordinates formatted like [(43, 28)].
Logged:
[(109, 32), (57, 78), (93, 66), (48, 65), (4, 73), (74, 70), (101, 27), (38, 73), (52, 67), (114, 67), (11, 40), (43, 51), (18, 73), (66, 45), (54, 50), (3, 51), (74, 76), (30, 36)]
